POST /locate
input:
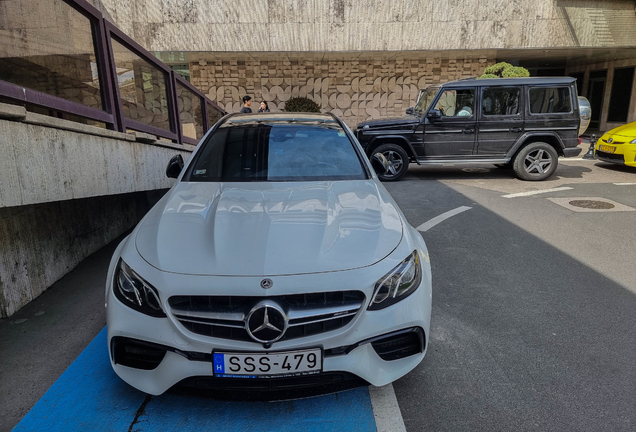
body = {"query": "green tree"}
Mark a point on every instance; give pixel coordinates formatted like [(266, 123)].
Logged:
[(504, 70), (301, 104)]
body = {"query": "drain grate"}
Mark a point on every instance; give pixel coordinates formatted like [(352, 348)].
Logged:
[(591, 204)]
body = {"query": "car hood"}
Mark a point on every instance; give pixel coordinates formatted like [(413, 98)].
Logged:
[(409, 120), (263, 228), (628, 130)]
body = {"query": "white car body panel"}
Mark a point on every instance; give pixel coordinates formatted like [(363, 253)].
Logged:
[(307, 237), (265, 229)]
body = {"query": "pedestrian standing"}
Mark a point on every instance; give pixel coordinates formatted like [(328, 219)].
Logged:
[(247, 103), (264, 107)]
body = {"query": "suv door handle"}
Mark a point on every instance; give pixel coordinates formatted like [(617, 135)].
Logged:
[(468, 131), (516, 129)]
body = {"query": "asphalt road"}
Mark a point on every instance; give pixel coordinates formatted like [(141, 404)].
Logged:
[(534, 307)]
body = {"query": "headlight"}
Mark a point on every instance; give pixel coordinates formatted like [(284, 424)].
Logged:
[(397, 284), (633, 141), (136, 293)]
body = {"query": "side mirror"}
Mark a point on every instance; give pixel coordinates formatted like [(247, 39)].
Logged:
[(174, 166), (380, 163), (434, 114), (409, 111)]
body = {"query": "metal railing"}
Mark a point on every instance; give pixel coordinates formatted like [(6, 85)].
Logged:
[(117, 112)]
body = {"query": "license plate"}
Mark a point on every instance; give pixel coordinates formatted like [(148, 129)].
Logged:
[(279, 364), (606, 148)]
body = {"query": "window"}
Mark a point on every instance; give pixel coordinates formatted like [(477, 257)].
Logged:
[(190, 112), (621, 95), (456, 103), (544, 100), (181, 69), (48, 47), (277, 151), (213, 115), (425, 100), (498, 101), (142, 88)]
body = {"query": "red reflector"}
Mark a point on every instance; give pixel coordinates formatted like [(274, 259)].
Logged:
[(580, 141)]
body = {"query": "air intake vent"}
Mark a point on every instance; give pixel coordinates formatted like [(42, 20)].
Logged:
[(399, 345), (137, 354)]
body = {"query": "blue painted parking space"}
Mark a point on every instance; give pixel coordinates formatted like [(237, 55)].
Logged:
[(89, 396)]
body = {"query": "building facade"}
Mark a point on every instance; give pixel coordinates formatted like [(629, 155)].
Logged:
[(368, 58)]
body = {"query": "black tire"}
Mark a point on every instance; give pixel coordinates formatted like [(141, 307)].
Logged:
[(535, 162), (398, 161)]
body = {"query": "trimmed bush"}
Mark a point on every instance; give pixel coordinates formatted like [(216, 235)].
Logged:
[(514, 72), (504, 70), (301, 104)]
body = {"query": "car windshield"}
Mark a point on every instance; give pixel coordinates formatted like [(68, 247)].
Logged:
[(425, 99), (265, 150)]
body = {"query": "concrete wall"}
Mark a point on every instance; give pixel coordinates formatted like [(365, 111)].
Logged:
[(66, 190), (40, 243), (44, 159), (355, 90), (371, 25)]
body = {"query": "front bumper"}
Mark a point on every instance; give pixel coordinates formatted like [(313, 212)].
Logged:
[(362, 360), (348, 351), (624, 154)]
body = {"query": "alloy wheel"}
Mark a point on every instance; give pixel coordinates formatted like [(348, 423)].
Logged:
[(395, 161), (538, 161)]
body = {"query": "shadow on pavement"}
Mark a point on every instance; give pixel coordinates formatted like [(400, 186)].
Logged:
[(486, 172), (524, 337), (616, 167)]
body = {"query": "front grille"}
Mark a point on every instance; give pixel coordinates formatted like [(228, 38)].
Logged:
[(224, 316), (610, 156)]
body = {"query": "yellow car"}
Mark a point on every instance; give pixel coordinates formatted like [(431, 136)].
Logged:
[(618, 146)]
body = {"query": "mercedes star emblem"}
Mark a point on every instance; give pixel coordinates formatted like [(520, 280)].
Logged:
[(266, 283), (266, 322)]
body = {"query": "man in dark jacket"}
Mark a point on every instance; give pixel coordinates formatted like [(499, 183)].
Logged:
[(247, 102)]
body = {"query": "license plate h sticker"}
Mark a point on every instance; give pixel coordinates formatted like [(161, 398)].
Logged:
[(219, 364)]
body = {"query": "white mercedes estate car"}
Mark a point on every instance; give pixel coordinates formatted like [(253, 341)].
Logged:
[(277, 261)]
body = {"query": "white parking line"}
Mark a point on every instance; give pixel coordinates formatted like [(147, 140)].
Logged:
[(386, 411), (441, 218), (625, 184), (520, 194)]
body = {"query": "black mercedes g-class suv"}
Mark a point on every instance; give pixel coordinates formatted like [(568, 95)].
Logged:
[(520, 123)]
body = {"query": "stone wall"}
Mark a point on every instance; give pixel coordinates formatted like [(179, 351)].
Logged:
[(371, 25), (355, 90)]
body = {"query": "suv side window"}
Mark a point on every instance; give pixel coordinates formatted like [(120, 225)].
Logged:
[(500, 101), (544, 100), (456, 103)]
